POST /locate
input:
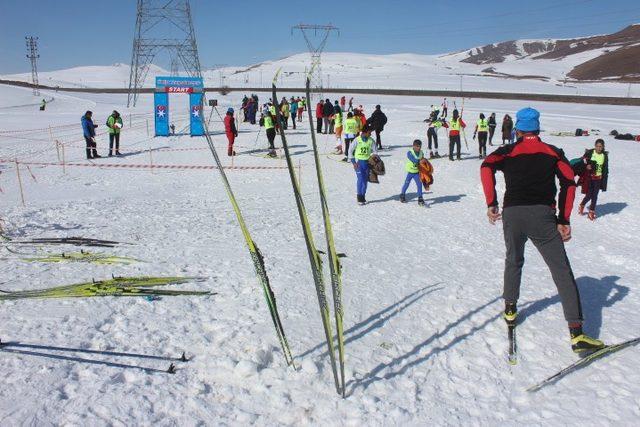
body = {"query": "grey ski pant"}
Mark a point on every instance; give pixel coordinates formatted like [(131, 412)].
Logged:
[(538, 223)]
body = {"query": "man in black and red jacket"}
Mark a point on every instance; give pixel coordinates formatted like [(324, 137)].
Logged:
[(530, 169)]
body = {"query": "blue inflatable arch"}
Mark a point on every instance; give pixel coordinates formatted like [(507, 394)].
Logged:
[(194, 87)]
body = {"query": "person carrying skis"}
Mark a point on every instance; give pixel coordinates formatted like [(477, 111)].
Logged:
[(530, 168), (377, 120), (432, 135), (89, 133), (230, 130), (114, 123), (413, 173), (294, 110), (350, 105), (482, 130), (492, 127), (445, 108), (454, 126), (361, 149), (595, 177), (319, 110), (351, 130), (270, 130)]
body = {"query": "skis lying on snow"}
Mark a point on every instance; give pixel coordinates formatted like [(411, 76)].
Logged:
[(46, 351), (333, 255), (76, 241), (598, 354), (314, 257), (115, 287), (84, 256), (256, 255)]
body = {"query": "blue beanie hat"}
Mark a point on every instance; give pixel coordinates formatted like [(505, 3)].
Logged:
[(528, 120), (230, 110)]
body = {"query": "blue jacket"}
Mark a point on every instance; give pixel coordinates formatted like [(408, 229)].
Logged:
[(88, 128)]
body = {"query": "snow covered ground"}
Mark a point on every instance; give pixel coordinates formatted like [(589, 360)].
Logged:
[(425, 344)]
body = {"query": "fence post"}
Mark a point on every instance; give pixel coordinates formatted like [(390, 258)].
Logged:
[(58, 149), (64, 168), (20, 182)]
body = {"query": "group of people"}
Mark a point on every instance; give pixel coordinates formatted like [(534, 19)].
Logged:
[(113, 123)]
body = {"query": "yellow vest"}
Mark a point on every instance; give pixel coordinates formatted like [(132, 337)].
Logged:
[(455, 124), (351, 126), (599, 159), (410, 166), (268, 122), (338, 120), (483, 125), (363, 148)]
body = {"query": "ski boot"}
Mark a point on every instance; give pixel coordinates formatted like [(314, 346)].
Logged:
[(581, 210), (581, 342), (431, 156), (118, 153), (458, 158), (110, 154), (403, 199), (345, 159), (510, 313), (361, 200), (437, 156), (592, 215), (420, 201)]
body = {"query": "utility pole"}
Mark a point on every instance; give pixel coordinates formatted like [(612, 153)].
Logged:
[(315, 49), (162, 25), (32, 54)]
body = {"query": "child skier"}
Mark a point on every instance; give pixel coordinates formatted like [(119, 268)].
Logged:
[(413, 174), (361, 149), (337, 119), (350, 133), (595, 177)]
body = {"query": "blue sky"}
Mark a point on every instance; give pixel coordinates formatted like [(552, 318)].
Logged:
[(73, 32)]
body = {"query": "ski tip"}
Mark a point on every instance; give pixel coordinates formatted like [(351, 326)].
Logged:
[(172, 369)]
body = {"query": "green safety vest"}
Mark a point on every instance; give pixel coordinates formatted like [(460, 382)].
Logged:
[(410, 166), (599, 159), (285, 110), (483, 125), (363, 148), (268, 122), (338, 120), (455, 124), (437, 124), (112, 121), (272, 110), (301, 103), (351, 126)]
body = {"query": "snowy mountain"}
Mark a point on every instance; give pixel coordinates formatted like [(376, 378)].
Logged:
[(615, 56), (586, 66)]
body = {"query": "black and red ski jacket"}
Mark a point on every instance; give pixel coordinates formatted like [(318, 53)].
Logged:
[(530, 168)]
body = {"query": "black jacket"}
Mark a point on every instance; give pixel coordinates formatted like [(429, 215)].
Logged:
[(327, 109), (530, 168), (377, 120)]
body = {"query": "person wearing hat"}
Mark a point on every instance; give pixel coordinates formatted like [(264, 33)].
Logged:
[(230, 130), (114, 123), (414, 156), (361, 149), (530, 168)]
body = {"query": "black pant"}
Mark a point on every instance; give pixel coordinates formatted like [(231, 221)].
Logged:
[(432, 135), (112, 137), (482, 143), (91, 148), (293, 119), (271, 136), (592, 193), (347, 141), (378, 139), (492, 130), (454, 140), (319, 125)]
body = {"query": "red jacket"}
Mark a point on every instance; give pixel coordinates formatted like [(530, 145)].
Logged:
[(319, 108), (230, 125)]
